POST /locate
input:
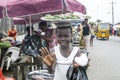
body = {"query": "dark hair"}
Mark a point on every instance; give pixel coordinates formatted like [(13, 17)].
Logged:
[(42, 23), (28, 28), (86, 18), (64, 27)]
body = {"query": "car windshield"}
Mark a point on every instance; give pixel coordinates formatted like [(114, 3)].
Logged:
[(104, 26)]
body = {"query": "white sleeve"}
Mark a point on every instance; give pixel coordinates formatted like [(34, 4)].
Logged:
[(82, 60)]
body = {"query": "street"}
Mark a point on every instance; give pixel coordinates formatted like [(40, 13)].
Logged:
[(105, 55)]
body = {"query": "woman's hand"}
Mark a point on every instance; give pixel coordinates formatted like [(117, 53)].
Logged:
[(75, 64), (46, 56)]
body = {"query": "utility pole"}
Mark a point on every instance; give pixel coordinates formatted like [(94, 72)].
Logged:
[(112, 12)]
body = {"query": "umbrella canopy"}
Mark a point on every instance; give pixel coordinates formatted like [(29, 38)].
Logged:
[(17, 20), (75, 6), (38, 8), (16, 8), (1, 11)]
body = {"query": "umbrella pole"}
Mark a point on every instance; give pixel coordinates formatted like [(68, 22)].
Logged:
[(30, 22), (63, 6)]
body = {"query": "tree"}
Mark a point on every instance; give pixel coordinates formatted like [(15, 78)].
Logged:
[(92, 23), (98, 21)]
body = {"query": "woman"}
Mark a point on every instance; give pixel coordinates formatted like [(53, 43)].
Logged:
[(64, 54), (47, 35), (86, 34)]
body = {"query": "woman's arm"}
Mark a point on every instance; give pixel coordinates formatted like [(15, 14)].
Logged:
[(48, 58), (81, 59), (46, 37)]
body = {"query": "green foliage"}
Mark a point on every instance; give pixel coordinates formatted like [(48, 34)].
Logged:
[(92, 23), (5, 45), (98, 21)]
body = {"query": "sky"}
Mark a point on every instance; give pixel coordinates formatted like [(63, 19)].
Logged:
[(102, 9)]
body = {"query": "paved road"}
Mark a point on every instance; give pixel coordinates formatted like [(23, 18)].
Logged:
[(105, 59)]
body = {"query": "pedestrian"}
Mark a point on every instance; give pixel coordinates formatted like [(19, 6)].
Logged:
[(64, 54), (111, 30), (26, 37), (86, 34), (25, 58), (12, 32), (92, 36), (29, 50)]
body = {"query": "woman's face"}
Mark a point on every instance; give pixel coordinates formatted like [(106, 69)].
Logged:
[(64, 36), (86, 21), (43, 28)]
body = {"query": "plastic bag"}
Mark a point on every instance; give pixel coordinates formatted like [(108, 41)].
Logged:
[(32, 46), (39, 74), (76, 73), (82, 60)]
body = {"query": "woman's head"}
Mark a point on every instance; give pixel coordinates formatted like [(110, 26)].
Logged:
[(43, 25), (64, 35), (85, 20), (12, 27)]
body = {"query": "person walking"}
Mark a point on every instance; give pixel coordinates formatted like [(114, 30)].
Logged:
[(92, 36), (86, 34)]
